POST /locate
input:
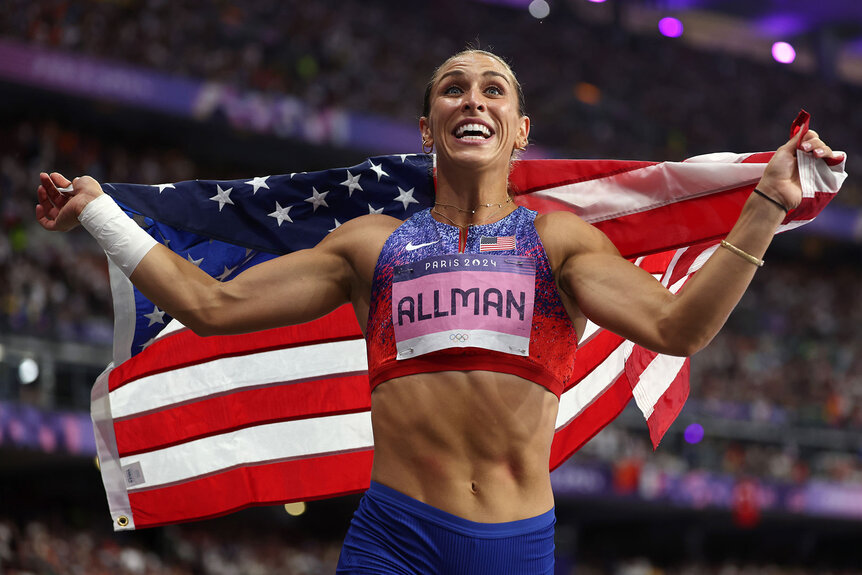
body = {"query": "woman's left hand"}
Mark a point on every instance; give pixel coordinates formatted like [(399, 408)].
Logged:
[(780, 179)]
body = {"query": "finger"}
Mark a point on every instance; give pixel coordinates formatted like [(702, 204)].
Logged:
[(818, 147), (793, 142), (43, 214), (48, 209), (59, 179), (51, 190)]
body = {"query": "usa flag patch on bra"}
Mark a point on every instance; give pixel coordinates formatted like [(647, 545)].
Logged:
[(496, 243)]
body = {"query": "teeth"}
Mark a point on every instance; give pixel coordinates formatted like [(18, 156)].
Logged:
[(473, 128)]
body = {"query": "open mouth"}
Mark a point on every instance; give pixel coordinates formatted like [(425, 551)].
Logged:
[(473, 131)]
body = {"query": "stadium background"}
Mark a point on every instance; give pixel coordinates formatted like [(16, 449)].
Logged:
[(773, 486)]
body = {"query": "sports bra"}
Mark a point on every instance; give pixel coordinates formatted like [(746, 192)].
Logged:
[(491, 305)]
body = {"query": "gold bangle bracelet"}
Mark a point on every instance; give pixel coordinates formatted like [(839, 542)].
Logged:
[(744, 255)]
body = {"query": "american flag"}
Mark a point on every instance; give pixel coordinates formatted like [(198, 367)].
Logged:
[(496, 243), (190, 427)]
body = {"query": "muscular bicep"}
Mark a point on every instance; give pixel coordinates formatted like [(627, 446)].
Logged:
[(617, 295), (291, 289), (602, 286)]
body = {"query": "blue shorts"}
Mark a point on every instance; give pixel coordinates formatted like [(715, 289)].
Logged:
[(392, 533)]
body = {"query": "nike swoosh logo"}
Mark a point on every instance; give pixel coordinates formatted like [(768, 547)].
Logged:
[(410, 247)]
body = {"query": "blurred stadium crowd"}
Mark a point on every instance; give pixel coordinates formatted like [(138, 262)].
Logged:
[(38, 547), (588, 90), (786, 358), (41, 547)]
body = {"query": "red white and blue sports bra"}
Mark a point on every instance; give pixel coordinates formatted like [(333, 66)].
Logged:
[(491, 305)]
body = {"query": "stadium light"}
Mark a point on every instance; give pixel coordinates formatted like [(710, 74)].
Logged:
[(670, 27), (539, 9), (28, 371), (693, 433), (783, 52), (295, 509)]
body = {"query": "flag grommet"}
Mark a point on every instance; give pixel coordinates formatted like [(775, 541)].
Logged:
[(123, 521)]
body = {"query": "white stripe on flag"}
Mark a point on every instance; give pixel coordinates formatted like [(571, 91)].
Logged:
[(655, 380), (254, 445), (791, 225), (238, 372), (576, 399), (173, 326), (672, 265), (662, 184), (589, 331)]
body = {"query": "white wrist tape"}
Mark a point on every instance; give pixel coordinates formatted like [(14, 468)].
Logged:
[(122, 239)]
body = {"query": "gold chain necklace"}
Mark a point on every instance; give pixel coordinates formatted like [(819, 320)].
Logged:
[(457, 225), (473, 212)]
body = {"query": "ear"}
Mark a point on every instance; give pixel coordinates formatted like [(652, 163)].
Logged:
[(425, 130), (523, 131)]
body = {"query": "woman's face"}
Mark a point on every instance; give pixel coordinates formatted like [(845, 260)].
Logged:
[(474, 118)]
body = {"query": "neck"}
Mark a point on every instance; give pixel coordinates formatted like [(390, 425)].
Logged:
[(472, 197)]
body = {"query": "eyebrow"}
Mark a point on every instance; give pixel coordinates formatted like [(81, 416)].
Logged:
[(461, 73)]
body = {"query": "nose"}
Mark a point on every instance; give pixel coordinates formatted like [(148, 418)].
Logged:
[(473, 100)]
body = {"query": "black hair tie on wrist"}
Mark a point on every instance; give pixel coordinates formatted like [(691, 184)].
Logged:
[(776, 202)]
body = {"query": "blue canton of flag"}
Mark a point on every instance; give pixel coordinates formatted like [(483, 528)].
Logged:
[(225, 227)]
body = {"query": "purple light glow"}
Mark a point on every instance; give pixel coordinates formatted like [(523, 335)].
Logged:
[(693, 433), (670, 27), (596, 1), (783, 52)]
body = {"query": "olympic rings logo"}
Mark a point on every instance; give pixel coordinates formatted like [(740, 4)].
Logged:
[(459, 337)]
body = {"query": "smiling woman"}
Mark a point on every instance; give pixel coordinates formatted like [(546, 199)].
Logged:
[(471, 312)]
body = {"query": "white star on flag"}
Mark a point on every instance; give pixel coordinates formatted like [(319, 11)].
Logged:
[(155, 316), (404, 157), (224, 275), (162, 187), (258, 182), (281, 213), (371, 210), (222, 197), (405, 198), (337, 223), (352, 183), (196, 262), (317, 199), (378, 169)]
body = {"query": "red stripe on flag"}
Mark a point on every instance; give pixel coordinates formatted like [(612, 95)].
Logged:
[(185, 348), (810, 207), (590, 421), (267, 484), (686, 260), (241, 409), (669, 405), (681, 223), (591, 354), (535, 175)]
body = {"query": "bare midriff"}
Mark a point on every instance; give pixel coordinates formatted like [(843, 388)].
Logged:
[(475, 444)]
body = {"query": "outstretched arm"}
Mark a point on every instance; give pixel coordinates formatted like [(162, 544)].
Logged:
[(291, 289), (613, 293)]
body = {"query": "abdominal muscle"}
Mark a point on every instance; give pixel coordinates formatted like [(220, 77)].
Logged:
[(475, 444)]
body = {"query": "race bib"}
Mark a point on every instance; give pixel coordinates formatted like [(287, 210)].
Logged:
[(463, 300)]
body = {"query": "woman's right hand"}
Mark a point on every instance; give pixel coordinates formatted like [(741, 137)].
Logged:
[(58, 212)]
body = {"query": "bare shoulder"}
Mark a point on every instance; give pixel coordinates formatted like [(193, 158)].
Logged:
[(360, 240), (364, 229), (565, 235)]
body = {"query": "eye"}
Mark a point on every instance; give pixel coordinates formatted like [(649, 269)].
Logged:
[(452, 89), (494, 90)]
